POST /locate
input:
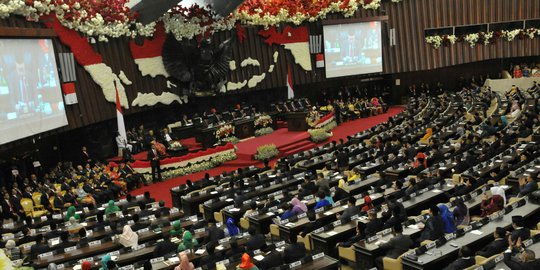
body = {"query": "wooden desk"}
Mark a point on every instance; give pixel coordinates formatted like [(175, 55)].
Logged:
[(296, 121)]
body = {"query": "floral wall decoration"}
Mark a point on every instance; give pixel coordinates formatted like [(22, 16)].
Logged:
[(91, 61), (482, 38), (151, 99), (255, 79), (294, 39), (148, 55)]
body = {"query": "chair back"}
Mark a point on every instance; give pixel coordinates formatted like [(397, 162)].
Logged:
[(36, 196), (27, 205)]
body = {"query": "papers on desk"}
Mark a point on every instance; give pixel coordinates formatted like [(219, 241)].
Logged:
[(345, 206), (199, 251), (413, 226), (270, 213), (477, 232), (380, 242), (329, 213), (213, 192), (505, 187), (437, 191), (290, 224), (229, 200), (331, 233), (259, 257), (530, 170), (175, 259), (101, 208), (442, 168), (234, 209), (220, 247)]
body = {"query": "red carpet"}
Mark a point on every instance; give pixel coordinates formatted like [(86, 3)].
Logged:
[(161, 191)]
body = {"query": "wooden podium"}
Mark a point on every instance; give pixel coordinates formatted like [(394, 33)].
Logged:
[(296, 121)]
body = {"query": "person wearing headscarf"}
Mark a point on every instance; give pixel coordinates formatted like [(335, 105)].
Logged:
[(246, 263), (111, 208), (71, 213), (231, 227), (128, 238), (177, 229), (461, 213), (12, 251), (368, 205), (298, 206), (496, 203), (184, 262), (429, 133), (420, 160), (188, 242), (104, 261), (86, 265), (448, 219)]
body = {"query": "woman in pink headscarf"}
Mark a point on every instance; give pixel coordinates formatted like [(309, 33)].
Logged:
[(184, 262), (375, 103), (298, 206)]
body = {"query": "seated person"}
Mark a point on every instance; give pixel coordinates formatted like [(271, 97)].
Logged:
[(359, 236), (496, 203), (164, 247), (527, 259), (465, 259), (246, 263), (496, 246), (350, 211), (374, 225), (520, 232), (294, 251), (312, 225), (128, 238), (461, 213), (256, 240), (211, 258), (398, 245), (322, 201), (188, 242), (433, 227), (214, 232), (527, 187), (448, 219)]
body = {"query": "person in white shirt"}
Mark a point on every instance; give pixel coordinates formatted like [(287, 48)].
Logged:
[(122, 143)]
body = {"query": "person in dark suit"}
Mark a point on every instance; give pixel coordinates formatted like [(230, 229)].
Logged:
[(465, 260), (497, 246), (39, 247), (256, 240), (360, 227), (85, 156), (434, 225), (235, 248), (153, 157), (138, 224), (214, 233), (527, 186), (54, 231), (519, 232), (343, 160), (164, 247), (294, 251), (351, 210), (64, 242), (131, 202), (312, 225), (374, 225), (83, 238), (398, 245), (211, 258), (271, 260), (309, 186)]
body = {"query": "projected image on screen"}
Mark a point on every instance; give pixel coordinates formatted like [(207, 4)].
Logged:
[(352, 49), (30, 95)]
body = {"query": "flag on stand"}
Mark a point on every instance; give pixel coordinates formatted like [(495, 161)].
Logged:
[(290, 90), (119, 115)]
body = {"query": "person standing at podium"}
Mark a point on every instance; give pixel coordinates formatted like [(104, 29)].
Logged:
[(153, 157)]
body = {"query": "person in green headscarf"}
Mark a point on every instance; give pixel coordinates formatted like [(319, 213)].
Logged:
[(71, 213), (111, 208), (104, 261), (188, 242), (177, 230)]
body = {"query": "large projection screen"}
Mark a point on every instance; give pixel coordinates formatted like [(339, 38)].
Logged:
[(352, 49), (30, 94)]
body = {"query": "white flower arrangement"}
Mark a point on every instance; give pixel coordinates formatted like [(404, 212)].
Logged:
[(472, 39), (510, 34), (532, 32), (487, 37), (435, 41), (175, 145)]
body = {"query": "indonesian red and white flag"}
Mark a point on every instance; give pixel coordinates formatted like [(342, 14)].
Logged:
[(120, 116), (290, 90)]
